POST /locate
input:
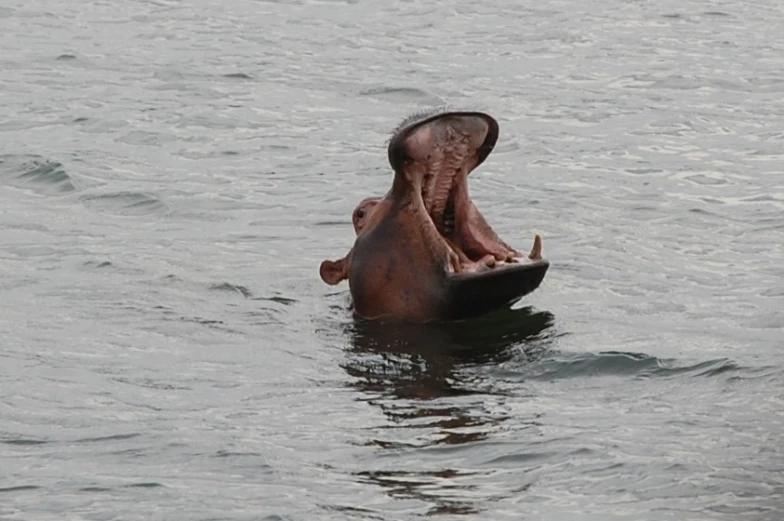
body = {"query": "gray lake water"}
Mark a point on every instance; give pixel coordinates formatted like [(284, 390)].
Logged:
[(172, 173)]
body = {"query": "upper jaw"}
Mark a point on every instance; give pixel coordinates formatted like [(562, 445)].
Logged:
[(481, 127), (434, 150), (432, 155)]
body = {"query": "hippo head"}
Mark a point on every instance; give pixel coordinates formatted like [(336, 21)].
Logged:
[(424, 251)]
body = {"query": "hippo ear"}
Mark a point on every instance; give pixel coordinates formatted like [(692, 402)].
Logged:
[(333, 272)]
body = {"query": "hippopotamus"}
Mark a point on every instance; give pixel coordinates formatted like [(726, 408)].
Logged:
[(423, 252)]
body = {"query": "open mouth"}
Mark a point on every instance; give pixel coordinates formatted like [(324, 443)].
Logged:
[(435, 152), (429, 211)]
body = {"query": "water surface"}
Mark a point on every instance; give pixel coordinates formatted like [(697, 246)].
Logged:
[(172, 174)]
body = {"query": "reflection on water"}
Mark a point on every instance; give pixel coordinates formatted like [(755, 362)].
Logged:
[(419, 375)]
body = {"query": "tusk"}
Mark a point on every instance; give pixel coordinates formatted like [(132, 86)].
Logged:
[(536, 251)]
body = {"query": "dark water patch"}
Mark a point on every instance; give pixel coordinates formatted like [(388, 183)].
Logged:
[(20, 488), (333, 223), (66, 57), (80, 120), (94, 489), (36, 173), (716, 13), (278, 300), (451, 508), (487, 339), (5, 12), (414, 372), (408, 94), (151, 484), (393, 445), (238, 76), (114, 437), (125, 203), (232, 288), (424, 486), (24, 442), (230, 153)]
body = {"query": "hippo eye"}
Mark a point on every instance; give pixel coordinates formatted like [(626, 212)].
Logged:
[(360, 214)]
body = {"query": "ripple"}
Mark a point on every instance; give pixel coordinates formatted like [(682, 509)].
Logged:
[(707, 368), (230, 454), (232, 288), (615, 363), (36, 173), (341, 224), (278, 300), (66, 57), (97, 264), (114, 437), (150, 383), (706, 180), (125, 203), (94, 489), (238, 76), (151, 484), (408, 94), (412, 484), (21, 488), (23, 441), (218, 325)]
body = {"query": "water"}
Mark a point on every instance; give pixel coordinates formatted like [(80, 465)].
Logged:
[(172, 174)]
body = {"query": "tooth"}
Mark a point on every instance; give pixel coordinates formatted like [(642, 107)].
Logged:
[(454, 262), (536, 251)]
